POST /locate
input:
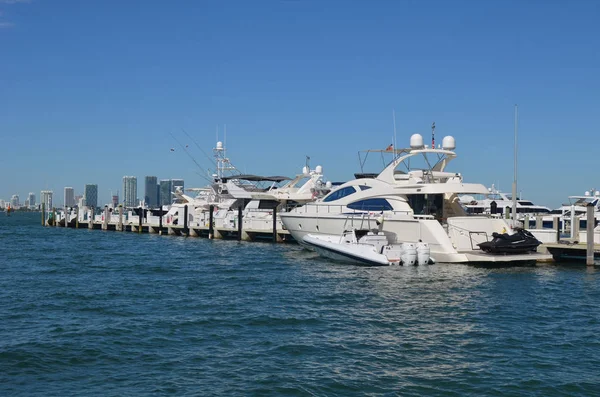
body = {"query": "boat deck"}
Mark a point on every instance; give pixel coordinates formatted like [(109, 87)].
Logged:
[(498, 258)]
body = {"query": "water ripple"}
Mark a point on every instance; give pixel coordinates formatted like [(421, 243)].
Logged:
[(102, 313)]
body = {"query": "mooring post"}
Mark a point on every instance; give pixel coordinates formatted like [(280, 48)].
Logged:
[(77, 217), (160, 215), (140, 220), (526, 222), (538, 222), (590, 235), (91, 218), (43, 214), (67, 216), (275, 224), (239, 237), (105, 218), (120, 225), (211, 208), (54, 222), (185, 221), (507, 213), (556, 227)]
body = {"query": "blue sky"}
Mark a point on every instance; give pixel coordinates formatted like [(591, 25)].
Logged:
[(90, 91)]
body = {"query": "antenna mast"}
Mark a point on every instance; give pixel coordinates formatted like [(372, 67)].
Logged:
[(514, 186), (433, 135), (394, 118)]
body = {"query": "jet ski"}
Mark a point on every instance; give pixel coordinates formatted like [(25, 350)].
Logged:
[(519, 242)]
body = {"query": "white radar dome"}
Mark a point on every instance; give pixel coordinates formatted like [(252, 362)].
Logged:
[(597, 194), (449, 143), (219, 145), (328, 184), (319, 169), (587, 194), (305, 170), (416, 141)]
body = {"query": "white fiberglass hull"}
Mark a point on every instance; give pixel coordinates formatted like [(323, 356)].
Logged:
[(455, 243), (331, 247)]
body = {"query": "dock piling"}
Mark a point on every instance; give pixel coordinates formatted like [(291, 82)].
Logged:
[(160, 215), (211, 208), (275, 224), (141, 219), (91, 218), (77, 217), (538, 222), (589, 259), (185, 221), (556, 227), (43, 214), (240, 220)]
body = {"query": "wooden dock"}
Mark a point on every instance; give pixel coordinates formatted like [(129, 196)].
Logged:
[(119, 224)]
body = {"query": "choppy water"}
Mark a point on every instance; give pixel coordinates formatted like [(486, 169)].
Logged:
[(103, 313)]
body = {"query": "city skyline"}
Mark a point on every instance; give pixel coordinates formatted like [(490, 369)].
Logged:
[(98, 193)]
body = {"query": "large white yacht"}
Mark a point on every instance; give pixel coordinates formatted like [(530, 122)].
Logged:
[(414, 199)]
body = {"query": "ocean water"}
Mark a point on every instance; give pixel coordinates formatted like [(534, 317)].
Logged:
[(104, 313)]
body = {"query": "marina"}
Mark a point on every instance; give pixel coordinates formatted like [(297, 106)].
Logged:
[(377, 219)]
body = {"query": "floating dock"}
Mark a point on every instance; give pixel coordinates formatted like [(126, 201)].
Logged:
[(572, 251)]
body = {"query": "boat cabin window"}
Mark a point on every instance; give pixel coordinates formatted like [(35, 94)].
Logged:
[(427, 204), (340, 193), (374, 204), (364, 187)]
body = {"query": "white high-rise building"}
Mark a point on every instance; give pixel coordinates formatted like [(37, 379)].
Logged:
[(130, 191), (14, 201), (46, 199), (69, 197)]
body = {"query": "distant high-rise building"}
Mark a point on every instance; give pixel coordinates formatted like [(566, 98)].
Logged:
[(130, 191), (31, 198), (14, 201), (91, 195), (115, 200), (165, 192), (151, 194), (175, 183), (69, 197), (46, 199)]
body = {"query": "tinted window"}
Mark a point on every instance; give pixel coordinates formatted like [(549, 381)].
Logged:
[(374, 204), (364, 187), (338, 194)]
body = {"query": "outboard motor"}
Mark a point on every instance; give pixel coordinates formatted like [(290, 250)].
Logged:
[(423, 253), (409, 254)]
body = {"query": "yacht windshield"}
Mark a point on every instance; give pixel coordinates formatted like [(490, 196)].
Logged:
[(340, 193)]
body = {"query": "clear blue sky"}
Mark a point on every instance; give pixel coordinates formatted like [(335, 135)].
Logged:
[(91, 90)]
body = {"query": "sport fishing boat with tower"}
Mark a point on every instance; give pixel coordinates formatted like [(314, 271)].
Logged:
[(414, 199)]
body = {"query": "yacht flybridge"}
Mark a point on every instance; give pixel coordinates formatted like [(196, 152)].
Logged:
[(414, 199)]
